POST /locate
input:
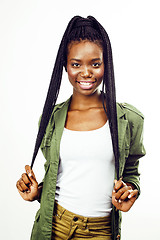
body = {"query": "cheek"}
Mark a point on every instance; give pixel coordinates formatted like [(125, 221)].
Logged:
[(99, 73), (71, 72)]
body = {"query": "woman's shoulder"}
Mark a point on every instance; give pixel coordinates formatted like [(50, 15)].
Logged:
[(57, 107), (130, 111), (62, 104)]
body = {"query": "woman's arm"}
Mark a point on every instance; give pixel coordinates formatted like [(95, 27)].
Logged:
[(126, 192)]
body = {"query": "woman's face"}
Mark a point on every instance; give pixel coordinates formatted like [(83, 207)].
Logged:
[(85, 66)]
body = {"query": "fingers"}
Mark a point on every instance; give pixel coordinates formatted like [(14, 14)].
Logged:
[(123, 195), (118, 184), (27, 185), (23, 183), (133, 194), (29, 171), (20, 189), (123, 192), (27, 180), (31, 175)]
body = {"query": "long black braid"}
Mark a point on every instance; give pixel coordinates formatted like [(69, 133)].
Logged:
[(83, 29)]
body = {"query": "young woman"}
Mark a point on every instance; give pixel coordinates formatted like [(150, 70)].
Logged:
[(92, 144)]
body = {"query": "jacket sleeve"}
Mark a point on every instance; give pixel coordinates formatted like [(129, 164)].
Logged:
[(136, 148)]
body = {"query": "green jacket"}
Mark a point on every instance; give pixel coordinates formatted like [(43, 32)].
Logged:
[(130, 128)]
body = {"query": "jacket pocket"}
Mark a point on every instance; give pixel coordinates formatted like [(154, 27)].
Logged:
[(45, 147), (46, 142)]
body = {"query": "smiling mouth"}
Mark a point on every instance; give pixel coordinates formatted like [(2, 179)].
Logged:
[(86, 83)]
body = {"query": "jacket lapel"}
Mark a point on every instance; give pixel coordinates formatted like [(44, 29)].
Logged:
[(60, 119), (122, 127)]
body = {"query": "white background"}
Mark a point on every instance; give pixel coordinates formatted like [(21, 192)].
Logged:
[(30, 33)]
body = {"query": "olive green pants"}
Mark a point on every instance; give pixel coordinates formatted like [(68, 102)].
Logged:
[(67, 225)]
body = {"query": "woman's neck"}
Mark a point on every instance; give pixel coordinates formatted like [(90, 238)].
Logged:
[(84, 102)]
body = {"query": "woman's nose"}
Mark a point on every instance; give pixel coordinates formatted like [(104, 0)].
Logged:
[(86, 72)]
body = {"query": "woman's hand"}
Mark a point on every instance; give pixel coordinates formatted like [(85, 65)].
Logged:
[(27, 185), (123, 195)]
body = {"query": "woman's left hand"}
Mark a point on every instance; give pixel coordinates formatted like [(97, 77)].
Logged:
[(123, 195)]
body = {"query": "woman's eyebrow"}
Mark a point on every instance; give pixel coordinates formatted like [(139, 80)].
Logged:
[(78, 60), (75, 59), (96, 59)]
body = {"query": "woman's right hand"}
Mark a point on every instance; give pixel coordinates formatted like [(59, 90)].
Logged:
[(27, 185)]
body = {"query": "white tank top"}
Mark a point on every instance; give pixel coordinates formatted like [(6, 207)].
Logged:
[(86, 172)]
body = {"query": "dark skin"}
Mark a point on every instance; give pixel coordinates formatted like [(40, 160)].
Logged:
[(85, 70)]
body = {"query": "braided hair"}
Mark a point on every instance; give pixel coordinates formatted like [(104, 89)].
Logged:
[(79, 29)]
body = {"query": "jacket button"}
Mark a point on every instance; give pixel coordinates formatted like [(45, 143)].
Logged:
[(75, 219)]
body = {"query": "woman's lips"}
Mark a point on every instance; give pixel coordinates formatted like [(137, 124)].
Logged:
[(86, 85)]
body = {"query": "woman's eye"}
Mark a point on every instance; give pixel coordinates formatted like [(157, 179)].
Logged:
[(75, 65), (96, 64)]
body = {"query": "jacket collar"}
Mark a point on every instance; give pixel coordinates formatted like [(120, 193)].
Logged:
[(63, 105), (120, 110), (60, 116)]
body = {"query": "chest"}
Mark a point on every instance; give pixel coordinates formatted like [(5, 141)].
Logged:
[(85, 120)]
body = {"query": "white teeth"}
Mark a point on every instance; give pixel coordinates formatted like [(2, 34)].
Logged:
[(85, 83)]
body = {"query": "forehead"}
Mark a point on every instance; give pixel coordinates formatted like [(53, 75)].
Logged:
[(85, 47)]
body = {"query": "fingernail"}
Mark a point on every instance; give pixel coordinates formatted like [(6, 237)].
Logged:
[(29, 174), (129, 196)]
